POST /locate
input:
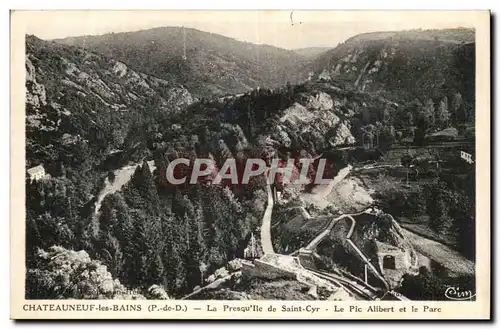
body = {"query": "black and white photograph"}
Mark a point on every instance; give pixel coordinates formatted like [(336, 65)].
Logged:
[(250, 155)]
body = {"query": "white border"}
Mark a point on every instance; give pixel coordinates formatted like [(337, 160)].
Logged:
[(147, 4)]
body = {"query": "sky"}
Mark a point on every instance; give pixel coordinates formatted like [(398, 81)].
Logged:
[(309, 28)]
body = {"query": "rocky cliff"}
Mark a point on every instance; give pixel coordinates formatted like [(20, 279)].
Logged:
[(73, 95), (404, 64)]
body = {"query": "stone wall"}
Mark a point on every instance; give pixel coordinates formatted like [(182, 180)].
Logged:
[(401, 262)]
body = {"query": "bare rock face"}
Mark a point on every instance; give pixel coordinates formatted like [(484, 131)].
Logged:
[(35, 92), (221, 273), (120, 69), (313, 292), (179, 98), (235, 265), (322, 101), (341, 294), (157, 292), (343, 135), (316, 119), (371, 62), (74, 275), (211, 278)]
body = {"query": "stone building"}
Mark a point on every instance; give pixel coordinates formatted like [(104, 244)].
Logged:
[(394, 262), (36, 173)]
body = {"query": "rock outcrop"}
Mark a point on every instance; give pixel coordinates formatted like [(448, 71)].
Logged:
[(73, 92), (404, 61), (63, 273)]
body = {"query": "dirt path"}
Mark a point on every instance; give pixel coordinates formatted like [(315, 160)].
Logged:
[(322, 191), (452, 260), (265, 230), (122, 177)]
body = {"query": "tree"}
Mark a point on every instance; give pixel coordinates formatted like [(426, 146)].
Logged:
[(114, 255), (386, 116), (156, 270), (141, 259), (442, 114), (456, 104), (409, 119), (423, 286), (111, 176), (415, 108), (176, 254), (368, 134), (462, 210), (438, 211), (463, 114), (428, 112), (125, 233), (387, 136), (421, 130), (33, 239), (196, 249), (156, 292), (365, 116), (225, 215), (438, 207), (161, 165), (142, 193)]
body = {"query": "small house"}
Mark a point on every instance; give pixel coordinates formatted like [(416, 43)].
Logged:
[(394, 262), (36, 173)]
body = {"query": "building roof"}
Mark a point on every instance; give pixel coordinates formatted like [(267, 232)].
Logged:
[(36, 169)]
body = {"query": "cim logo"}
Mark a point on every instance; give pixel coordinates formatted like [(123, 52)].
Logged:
[(466, 156)]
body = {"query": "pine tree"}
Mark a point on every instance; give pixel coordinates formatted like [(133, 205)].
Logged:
[(107, 216), (125, 234), (442, 114), (115, 261), (156, 271), (196, 249), (456, 105), (160, 176), (429, 112), (33, 239), (438, 208), (167, 227), (140, 271), (148, 188), (226, 216), (132, 190)]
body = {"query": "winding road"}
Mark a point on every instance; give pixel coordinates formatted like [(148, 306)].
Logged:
[(265, 230), (122, 177), (322, 191), (312, 245)]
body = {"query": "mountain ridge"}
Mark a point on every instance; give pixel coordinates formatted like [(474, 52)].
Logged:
[(207, 63)]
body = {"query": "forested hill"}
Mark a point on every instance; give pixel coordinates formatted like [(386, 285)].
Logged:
[(88, 114), (405, 65), (206, 63), (81, 105)]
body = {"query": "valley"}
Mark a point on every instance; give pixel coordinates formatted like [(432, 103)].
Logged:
[(391, 114)]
